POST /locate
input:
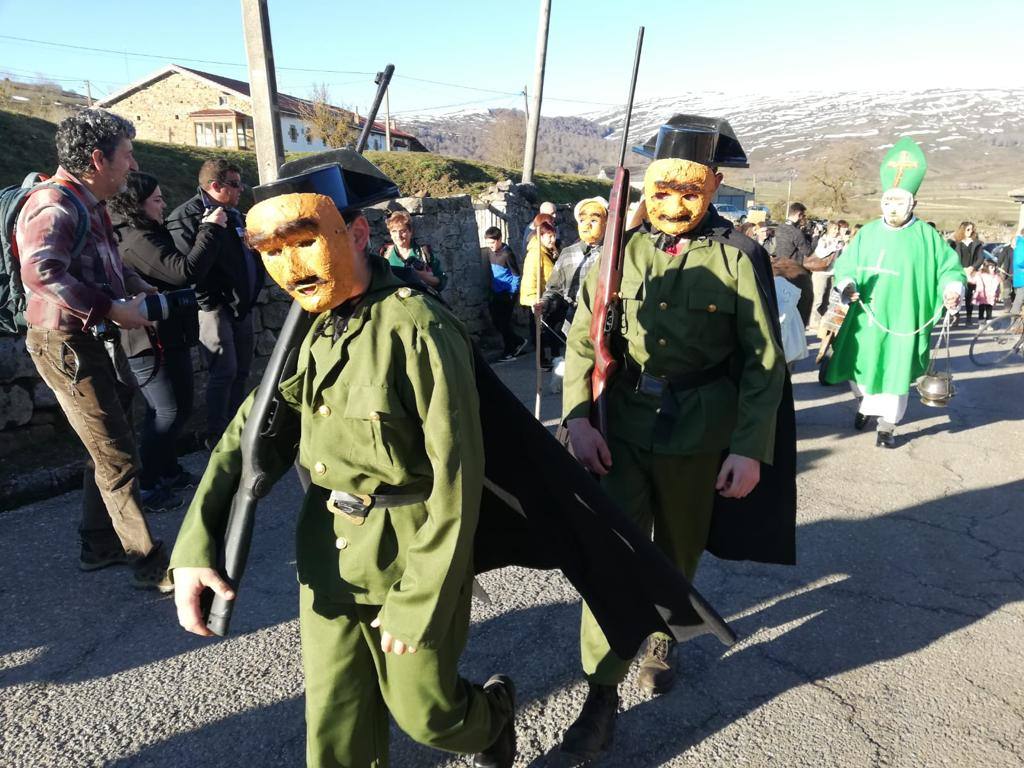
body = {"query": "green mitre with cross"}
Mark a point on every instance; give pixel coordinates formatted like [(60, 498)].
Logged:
[(904, 166)]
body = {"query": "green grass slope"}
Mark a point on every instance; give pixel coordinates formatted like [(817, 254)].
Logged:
[(26, 145)]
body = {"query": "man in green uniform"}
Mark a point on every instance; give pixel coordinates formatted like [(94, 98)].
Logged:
[(702, 375), (390, 433), (900, 272)]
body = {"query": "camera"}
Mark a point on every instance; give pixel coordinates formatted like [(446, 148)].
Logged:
[(162, 306)]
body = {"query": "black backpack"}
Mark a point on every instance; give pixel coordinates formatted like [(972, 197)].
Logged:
[(13, 299)]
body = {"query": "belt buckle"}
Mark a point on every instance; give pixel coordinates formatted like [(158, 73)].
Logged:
[(351, 511), (653, 386)]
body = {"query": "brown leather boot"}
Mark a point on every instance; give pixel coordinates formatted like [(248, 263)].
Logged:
[(593, 730), (656, 675)]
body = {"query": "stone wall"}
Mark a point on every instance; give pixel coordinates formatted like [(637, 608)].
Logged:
[(448, 225), (35, 438)]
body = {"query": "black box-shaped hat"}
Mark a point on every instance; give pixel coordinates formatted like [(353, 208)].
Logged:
[(704, 140), (343, 175)]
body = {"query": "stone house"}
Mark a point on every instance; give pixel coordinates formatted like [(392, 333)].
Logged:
[(179, 105)]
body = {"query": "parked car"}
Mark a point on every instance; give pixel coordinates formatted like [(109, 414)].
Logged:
[(731, 212)]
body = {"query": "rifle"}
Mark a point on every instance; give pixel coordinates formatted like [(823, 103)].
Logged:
[(269, 419), (607, 309)]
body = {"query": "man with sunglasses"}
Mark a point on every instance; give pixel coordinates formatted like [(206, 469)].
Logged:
[(226, 293)]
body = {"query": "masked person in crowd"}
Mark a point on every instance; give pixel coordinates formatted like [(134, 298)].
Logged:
[(898, 272), (702, 376), (558, 303), (388, 405)]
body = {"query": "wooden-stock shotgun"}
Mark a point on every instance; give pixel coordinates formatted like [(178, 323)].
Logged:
[(607, 309)]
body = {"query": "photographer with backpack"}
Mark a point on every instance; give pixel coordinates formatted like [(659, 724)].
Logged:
[(80, 294)]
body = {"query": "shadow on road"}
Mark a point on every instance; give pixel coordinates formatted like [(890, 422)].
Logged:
[(865, 591)]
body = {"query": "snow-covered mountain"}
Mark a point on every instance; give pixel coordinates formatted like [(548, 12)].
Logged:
[(773, 128), (974, 141)]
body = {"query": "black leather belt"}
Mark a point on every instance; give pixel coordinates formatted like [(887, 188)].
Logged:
[(356, 506), (666, 388)]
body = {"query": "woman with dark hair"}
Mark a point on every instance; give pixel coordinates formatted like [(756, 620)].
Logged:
[(162, 362), (968, 247)]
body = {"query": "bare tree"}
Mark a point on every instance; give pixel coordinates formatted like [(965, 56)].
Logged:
[(835, 180), (335, 126), (506, 139)]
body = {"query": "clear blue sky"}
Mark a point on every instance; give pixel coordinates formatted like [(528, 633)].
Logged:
[(740, 46)]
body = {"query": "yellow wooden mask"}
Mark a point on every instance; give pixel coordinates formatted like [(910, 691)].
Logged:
[(678, 193), (306, 248), (591, 218)]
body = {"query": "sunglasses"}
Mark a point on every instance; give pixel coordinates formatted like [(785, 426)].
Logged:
[(232, 184)]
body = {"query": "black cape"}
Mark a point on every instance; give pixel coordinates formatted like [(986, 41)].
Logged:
[(761, 526), (541, 509)]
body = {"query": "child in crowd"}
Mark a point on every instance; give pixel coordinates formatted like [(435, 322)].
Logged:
[(987, 286)]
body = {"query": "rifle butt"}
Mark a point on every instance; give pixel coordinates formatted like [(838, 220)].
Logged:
[(237, 540)]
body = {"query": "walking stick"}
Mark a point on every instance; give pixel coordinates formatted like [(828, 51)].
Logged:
[(537, 328)]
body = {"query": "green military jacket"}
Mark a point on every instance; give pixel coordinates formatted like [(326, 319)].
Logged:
[(389, 405), (682, 314)]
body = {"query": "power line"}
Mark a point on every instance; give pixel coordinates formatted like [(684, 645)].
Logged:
[(290, 69)]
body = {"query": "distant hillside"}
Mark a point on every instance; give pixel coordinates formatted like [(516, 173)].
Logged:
[(28, 146), (46, 100), (564, 145)]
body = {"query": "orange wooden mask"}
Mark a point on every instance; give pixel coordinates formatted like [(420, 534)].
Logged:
[(591, 218), (306, 248), (678, 193)]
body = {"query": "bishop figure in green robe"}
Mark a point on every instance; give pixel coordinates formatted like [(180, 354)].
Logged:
[(897, 274)]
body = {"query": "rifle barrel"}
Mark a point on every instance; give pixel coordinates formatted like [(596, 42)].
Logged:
[(629, 98)]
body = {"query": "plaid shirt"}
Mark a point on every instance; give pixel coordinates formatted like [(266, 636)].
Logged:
[(64, 293), (568, 262)]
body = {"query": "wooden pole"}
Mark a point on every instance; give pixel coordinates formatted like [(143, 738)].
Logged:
[(533, 127), (537, 325), (266, 117), (387, 120)]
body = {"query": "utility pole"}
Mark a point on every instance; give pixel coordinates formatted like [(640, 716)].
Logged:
[(88, 93), (263, 89), (526, 105), (387, 120), (538, 91)]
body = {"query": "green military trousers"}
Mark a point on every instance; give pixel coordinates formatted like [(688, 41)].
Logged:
[(671, 495), (351, 686)]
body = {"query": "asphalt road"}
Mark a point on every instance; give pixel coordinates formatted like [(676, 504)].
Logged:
[(896, 641)]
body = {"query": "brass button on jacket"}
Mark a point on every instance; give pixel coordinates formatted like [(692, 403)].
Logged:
[(341, 543), (662, 343), (663, 305), (712, 307), (320, 468), (374, 416), (324, 410)]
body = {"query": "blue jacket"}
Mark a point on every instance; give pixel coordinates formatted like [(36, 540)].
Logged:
[(503, 279), (1018, 262)]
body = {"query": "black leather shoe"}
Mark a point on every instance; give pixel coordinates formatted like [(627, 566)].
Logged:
[(885, 440), (502, 753), (594, 729), (860, 421)]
